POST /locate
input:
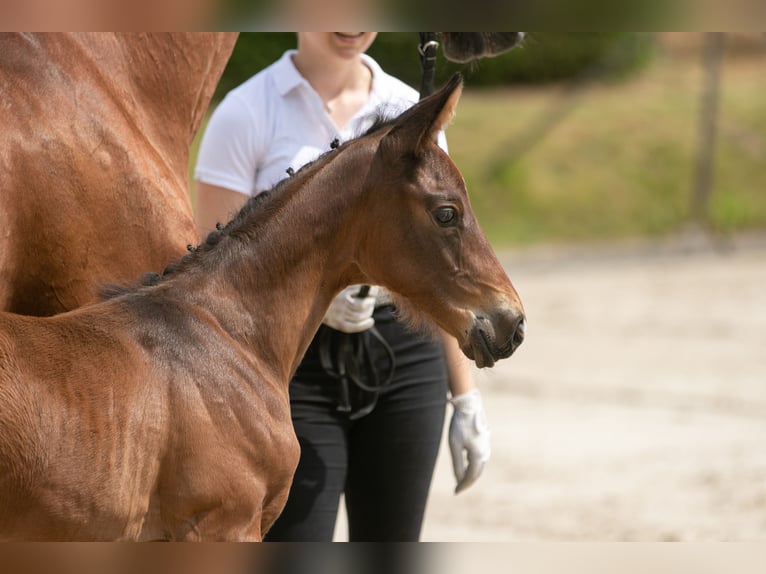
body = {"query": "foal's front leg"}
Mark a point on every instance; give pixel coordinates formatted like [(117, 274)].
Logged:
[(225, 523), (212, 511)]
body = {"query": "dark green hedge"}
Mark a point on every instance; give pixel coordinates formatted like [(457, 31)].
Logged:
[(544, 57)]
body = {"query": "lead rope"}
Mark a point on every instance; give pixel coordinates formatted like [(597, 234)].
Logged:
[(427, 49), (347, 358), (351, 361)]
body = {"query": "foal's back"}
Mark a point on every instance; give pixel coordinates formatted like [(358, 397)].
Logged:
[(70, 386), (174, 411)]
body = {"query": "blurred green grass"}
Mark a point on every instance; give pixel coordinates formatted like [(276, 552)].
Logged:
[(620, 163)]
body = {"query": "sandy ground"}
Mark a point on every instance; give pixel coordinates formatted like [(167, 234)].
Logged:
[(635, 410)]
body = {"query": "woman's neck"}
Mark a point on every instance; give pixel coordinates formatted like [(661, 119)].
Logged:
[(343, 85)]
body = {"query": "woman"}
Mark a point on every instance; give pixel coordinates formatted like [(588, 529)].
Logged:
[(377, 447)]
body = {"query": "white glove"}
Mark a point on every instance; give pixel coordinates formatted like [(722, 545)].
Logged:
[(468, 439), (349, 313)]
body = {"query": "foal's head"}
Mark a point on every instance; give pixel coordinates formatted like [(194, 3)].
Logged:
[(446, 268)]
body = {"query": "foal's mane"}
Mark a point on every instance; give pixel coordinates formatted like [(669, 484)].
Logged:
[(245, 220)]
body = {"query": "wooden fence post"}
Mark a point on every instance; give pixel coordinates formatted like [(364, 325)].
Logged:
[(713, 51)]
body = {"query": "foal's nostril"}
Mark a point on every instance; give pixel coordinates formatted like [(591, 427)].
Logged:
[(520, 332)]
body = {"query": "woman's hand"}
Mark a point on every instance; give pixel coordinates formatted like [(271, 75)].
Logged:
[(469, 439), (350, 313)]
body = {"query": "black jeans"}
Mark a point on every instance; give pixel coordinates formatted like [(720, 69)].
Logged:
[(383, 461)]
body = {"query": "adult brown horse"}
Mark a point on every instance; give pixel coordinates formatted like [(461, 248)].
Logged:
[(163, 412), (94, 158)]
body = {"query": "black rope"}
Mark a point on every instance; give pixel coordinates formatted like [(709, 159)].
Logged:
[(346, 357), (427, 49)]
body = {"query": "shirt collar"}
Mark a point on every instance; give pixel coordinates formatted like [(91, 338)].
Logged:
[(288, 77)]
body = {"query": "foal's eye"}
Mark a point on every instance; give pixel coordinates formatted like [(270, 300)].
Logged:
[(446, 216)]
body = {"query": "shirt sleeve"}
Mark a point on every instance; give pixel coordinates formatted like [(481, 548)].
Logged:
[(228, 153)]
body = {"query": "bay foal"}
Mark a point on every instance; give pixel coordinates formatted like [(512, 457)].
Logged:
[(163, 412)]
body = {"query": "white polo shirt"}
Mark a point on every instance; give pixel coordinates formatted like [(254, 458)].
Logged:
[(275, 120)]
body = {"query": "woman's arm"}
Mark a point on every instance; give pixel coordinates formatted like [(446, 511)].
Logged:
[(458, 367), (215, 204), (469, 435)]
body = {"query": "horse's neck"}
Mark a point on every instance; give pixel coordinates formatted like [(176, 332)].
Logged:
[(271, 290), (175, 74), (165, 81)]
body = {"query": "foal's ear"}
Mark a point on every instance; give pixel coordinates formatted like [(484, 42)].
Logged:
[(423, 121)]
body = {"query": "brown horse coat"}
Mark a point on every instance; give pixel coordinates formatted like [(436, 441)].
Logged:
[(94, 149), (163, 411)]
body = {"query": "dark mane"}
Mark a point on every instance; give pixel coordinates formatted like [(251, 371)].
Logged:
[(260, 202), (383, 117), (380, 121), (263, 202)]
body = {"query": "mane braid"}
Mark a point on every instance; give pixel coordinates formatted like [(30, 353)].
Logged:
[(239, 224)]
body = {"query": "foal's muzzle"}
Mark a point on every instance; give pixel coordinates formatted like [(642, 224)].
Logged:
[(495, 337)]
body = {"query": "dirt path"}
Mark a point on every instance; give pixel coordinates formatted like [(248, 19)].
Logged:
[(636, 410)]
